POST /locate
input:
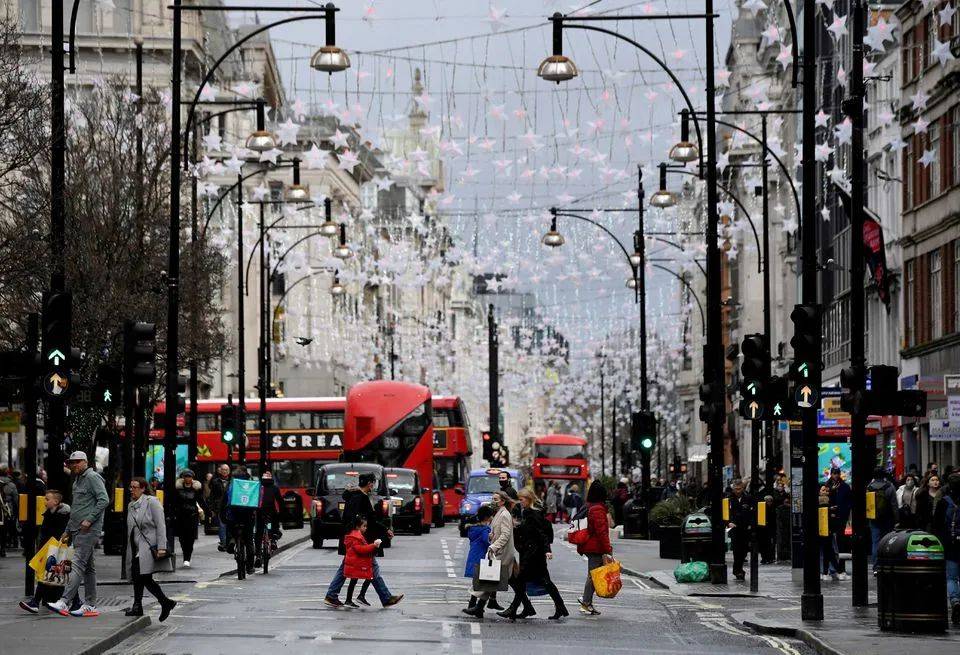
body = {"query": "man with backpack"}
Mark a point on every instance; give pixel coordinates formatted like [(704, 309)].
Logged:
[(885, 503), (239, 512), (946, 523)]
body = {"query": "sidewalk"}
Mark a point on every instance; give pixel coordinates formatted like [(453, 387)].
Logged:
[(775, 608), (26, 634)]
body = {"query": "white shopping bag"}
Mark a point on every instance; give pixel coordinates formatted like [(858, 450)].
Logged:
[(489, 570)]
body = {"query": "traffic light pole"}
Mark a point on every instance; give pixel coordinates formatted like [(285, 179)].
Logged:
[(603, 421), (30, 456), (241, 359), (862, 452), (493, 366), (262, 350), (811, 600)]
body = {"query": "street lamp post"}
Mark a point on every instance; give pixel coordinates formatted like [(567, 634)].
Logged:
[(603, 424)]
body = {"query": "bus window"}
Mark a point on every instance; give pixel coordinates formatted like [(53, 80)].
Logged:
[(446, 418), (328, 420), (207, 422), (556, 451), (449, 471), (290, 420), (294, 473)]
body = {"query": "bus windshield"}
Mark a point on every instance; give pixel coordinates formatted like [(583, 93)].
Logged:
[(485, 485), (401, 481), (552, 451)]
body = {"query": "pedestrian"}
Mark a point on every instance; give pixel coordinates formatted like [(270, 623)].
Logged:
[(931, 494), (907, 503), (840, 505), (90, 501), (239, 521), (885, 503), (55, 519), (357, 503), (572, 501), (479, 537), (358, 560), (740, 524), (552, 501), (268, 515), (501, 548), (216, 501), (620, 498), (533, 538), (596, 546), (9, 511), (946, 526), (828, 554), (670, 490), (147, 534), (188, 508)]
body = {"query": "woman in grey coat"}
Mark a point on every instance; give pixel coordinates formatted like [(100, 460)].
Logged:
[(147, 533), (501, 546)]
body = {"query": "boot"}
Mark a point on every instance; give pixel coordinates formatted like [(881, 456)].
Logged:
[(166, 606), (135, 610), (510, 612), (472, 602), (477, 610), (493, 604), (560, 610)]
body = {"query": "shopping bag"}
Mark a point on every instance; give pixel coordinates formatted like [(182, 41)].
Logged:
[(488, 570), (577, 534), (692, 572), (245, 493), (40, 558), (500, 583), (54, 567), (606, 579)]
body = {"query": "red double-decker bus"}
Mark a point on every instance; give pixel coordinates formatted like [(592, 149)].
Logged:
[(561, 457), (302, 433), (452, 451), (391, 423)]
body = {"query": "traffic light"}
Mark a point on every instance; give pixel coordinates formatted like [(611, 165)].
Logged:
[(883, 398), (780, 405), (487, 446), (140, 353), (753, 371), (707, 408), (55, 352), (853, 378), (109, 385), (229, 424), (643, 432), (807, 363)]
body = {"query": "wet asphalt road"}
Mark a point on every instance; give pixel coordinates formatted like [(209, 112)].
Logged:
[(284, 610)]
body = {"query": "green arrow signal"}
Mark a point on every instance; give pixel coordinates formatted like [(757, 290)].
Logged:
[(56, 356), (804, 369), (752, 388)]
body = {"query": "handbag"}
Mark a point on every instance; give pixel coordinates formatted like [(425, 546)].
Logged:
[(495, 576), (578, 533)]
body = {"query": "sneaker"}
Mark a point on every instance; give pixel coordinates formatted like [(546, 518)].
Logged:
[(393, 600), (363, 601), (186, 564), (843, 576), (824, 577), (29, 606), (85, 610), (352, 604), (221, 547), (59, 607), (333, 601)]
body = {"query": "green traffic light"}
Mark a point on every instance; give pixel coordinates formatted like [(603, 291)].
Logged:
[(646, 443), (228, 436)]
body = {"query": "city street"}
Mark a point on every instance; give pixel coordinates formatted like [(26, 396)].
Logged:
[(285, 609)]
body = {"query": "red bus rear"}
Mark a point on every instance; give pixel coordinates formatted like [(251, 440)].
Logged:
[(303, 433), (452, 450), (560, 457), (391, 423)]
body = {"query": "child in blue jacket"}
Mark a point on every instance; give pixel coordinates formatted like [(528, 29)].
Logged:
[(479, 536)]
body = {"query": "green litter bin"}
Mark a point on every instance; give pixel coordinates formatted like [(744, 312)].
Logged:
[(911, 582)]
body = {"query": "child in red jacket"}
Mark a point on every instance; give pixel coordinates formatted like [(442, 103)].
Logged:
[(358, 562)]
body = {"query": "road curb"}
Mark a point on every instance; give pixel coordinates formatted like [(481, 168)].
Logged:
[(643, 576), (807, 637), (116, 637), (286, 546)]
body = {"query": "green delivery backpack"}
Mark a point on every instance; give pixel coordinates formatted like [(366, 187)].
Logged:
[(244, 493), (692, 572)]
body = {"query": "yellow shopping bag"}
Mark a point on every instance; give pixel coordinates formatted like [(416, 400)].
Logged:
[(37, 563), (606, 579), (52, 563)]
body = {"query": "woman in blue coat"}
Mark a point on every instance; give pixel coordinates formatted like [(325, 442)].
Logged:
[(479, 536)]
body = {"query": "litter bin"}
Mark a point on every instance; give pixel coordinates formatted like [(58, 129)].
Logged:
[(695, 538), (291, 516), (911, 582), (634, 519)]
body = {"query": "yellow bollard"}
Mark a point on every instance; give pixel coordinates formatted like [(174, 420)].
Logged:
[(725, 507), (22, 509), (160, 495), (871, 504), (823, 521), (761, 513), (118, 499), (41, 508)]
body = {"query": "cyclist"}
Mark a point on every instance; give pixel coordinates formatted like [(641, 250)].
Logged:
[(268, 514), (240, 520)]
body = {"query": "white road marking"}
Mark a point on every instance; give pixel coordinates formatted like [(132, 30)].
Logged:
[(476, 644), (447, 560)]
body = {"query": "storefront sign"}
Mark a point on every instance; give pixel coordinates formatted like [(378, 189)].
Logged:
[(951, 387), (941, 430)]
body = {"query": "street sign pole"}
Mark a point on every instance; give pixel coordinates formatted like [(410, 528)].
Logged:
[(30, 456)]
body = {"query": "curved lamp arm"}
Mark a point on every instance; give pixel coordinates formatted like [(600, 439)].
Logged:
[(678, 247), (693, 293), (233, 186), (666, 69), (298, 281), (253, 250), (766, 149), (602, 227), (288, 250)]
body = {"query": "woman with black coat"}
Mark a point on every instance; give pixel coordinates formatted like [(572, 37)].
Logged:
[(533, 537), (188, 512)]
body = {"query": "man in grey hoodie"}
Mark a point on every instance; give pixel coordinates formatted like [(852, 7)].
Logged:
[(90, 501)]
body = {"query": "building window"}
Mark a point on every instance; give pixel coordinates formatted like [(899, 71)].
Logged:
[(954, 129), (956, 285), (908, 187), (936, 294), (907, 57), (934, 169), (909, 318), (929, 35), (29, 15)]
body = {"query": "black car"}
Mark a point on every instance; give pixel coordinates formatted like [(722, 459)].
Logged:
[(327, 506), (406, 499)]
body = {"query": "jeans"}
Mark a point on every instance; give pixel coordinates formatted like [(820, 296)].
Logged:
[(378, 584), (876, 534), (953, 581), (593, 562), (84, 569), (223, 533), (828, 551)]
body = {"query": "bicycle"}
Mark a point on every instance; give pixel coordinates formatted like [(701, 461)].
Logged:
[(268, 546)]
